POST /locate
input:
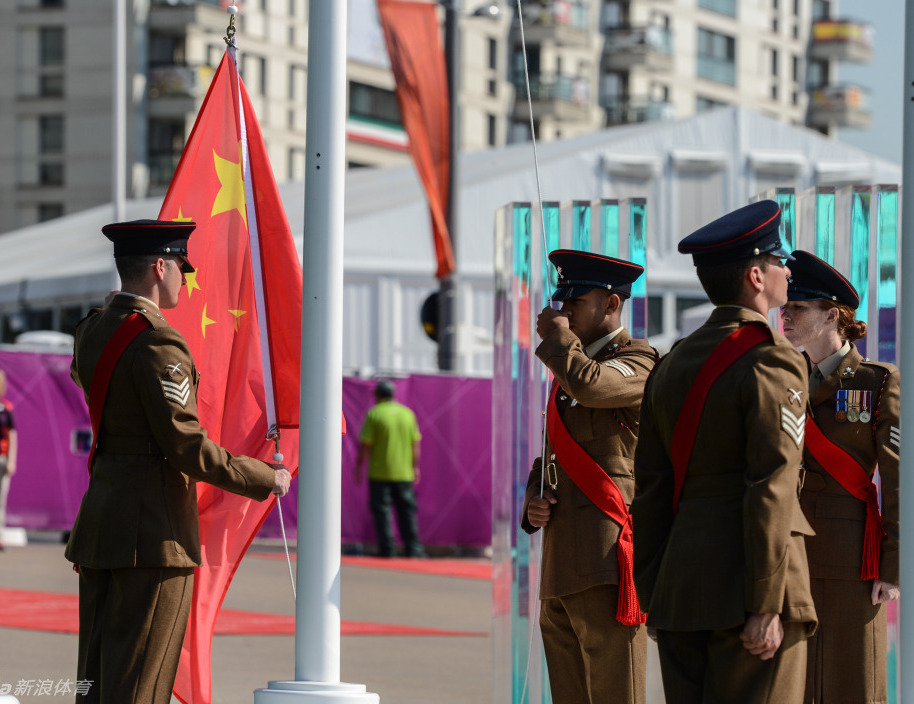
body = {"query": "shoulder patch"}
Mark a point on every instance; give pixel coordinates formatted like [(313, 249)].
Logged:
[(620, 367), (178, 392), (794, 425)]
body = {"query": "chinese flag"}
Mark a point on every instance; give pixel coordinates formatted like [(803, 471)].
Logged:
[(417, 62), (241, 315)]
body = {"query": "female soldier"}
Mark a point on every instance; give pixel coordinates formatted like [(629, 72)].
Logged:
[(852, 426)]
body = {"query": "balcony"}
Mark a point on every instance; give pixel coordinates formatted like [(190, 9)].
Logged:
[(843, 105), (560, 96), (718, 70), (841, 40), (649, 47), (162, 167), (562, 22), (178, 81), (625, 111)]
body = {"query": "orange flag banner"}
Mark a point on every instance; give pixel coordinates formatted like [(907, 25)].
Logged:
[(241, 315), (417, 61)]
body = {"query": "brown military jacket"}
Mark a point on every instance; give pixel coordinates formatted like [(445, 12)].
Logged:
[(141, 505), (836, 550), (736, 544), (599, 403)]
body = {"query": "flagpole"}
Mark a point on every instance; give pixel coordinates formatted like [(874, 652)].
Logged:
[(317, 609), (119, 112), (906, 361)]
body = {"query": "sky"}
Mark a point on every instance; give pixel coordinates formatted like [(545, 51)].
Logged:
[(884, 76)]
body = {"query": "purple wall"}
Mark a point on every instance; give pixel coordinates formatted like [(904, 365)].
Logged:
[(454, 414)]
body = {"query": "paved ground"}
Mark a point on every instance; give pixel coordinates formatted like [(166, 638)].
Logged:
[(401, 669)]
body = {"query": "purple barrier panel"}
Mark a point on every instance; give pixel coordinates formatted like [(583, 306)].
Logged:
[(455, 488), (52, 423)]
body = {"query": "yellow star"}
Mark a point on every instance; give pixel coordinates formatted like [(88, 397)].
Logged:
[(205, 321), (192, 284), (237, 314), (231, 192), (181, 217)]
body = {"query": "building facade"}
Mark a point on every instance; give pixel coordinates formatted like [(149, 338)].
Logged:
[(590, 63)]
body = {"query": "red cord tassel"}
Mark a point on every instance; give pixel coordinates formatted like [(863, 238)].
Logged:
[(628, 611), (872, 542)]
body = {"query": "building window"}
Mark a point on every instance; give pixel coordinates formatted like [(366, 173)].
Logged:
[(716, 57), (50, 86), (795, 69), (166, 141), (296, 165), (493, 130), (774, 91), (49, 211), (493, 87), (373, 103), (50, 174), (723, 7), (493, 54), (821, 9), (703, 104), (775, 58), (254, 73), (50, 134), (50, 46), (52, 3), (166, 50)]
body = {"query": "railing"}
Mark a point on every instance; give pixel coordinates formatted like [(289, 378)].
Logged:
[(549, 87), (180, 81), (560, 13), (841, 97), (648, 37), (717, 70), (623, 111)]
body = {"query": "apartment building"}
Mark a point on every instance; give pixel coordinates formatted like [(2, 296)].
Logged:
[(591, 64)]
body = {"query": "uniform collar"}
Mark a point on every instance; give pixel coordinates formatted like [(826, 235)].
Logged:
[(828, 365), (594, 347), (842, 373), (730, 312), (132, 301)]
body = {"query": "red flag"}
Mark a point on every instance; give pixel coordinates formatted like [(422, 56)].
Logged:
[(417, 62), (241, 315)]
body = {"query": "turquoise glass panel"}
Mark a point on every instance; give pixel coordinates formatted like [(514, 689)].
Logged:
[(858, 272), (825, 224), (609, 232), (551, 238), (887, 225), (786, 198), (580, 225), (637, 253)]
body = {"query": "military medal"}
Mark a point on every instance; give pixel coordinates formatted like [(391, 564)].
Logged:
[(841, 406), (866, 406), (853, 406)]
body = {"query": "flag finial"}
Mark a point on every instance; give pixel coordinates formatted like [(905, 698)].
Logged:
[(230, 30)]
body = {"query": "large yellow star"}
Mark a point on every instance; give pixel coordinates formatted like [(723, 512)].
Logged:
[(204, 321), (192, 284), (231, 191), (237, 314)]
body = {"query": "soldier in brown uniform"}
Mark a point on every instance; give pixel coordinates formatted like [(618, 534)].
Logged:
[(720, 563), (853, 557), (136, 541), (592, 628)]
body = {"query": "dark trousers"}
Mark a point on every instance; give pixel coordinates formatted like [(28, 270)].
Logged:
[(131, 628), (403, 497), (713, 667)]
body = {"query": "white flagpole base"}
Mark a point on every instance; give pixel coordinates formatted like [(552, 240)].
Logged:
[(336, 692)]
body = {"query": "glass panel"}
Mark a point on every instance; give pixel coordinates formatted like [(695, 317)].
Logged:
[(825, 224), (859, 249), (609, 228), (580, 225), (887, 233), (637, 253)]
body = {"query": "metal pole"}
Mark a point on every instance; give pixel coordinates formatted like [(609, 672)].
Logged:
[(906, 362), (447, 292), (119, 112), (317, 609)]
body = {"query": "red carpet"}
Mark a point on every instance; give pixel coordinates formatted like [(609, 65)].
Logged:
[(466, 569), (59, 613)]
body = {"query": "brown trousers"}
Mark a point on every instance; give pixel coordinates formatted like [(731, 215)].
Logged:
[(591, 657), (131, 628), (713, 667), (846, 661)]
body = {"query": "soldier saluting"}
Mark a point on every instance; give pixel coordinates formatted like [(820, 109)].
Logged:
[(136, 538), (592, 626), (720, 563)]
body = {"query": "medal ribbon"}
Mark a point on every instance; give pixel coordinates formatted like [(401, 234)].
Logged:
[(590, 478), (849, 474)]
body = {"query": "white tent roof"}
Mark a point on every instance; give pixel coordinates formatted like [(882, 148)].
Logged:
[(387, 221)]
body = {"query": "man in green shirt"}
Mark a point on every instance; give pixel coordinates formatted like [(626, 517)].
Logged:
[(390, 439)]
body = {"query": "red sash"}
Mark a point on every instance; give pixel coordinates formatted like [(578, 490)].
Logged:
[(599, 488), (730, 349), (849, 474), (98, 391)]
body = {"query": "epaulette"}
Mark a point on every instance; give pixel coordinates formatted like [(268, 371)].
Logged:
[(155, 318)]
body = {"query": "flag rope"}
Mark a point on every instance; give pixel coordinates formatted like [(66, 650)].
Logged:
[(273, 434)]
